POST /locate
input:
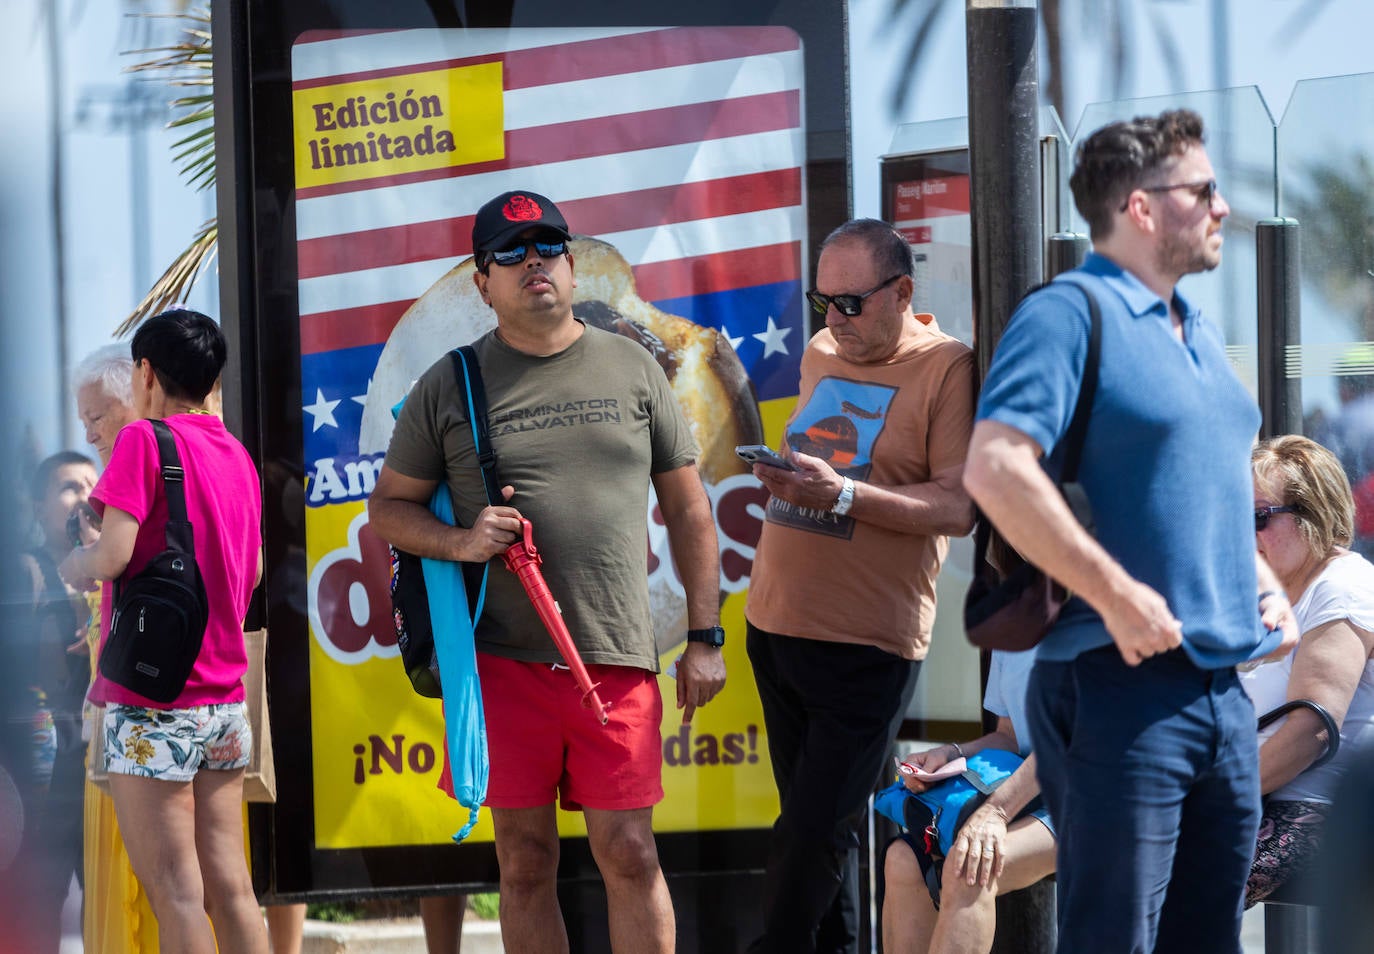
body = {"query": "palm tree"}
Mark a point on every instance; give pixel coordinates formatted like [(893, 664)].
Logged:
[(186, 64)]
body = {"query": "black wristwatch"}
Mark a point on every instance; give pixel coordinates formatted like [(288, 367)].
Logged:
[(711, 636)]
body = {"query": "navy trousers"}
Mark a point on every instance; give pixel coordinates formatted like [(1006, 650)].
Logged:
[(1151, 774), (831, 711)]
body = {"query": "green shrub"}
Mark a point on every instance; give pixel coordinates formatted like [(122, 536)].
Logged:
[(485, 906)]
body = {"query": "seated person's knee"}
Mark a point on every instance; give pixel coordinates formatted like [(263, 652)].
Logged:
[(900, 868)]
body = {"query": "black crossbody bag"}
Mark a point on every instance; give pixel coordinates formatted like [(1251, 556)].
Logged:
[(160, 614), (409, 595)]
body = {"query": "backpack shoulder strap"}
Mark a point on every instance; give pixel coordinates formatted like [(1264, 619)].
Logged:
[(1078, 425), (174, 485), (1087, 390), (469, 375)]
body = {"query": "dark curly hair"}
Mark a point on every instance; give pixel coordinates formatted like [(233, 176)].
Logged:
[(1122, 156)]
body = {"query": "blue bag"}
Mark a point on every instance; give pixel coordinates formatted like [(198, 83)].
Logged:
[(465, 725), (435, 629), (942, 810), (935, 816)]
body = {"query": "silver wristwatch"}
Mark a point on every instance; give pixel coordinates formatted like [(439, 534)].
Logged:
[(845, 499)]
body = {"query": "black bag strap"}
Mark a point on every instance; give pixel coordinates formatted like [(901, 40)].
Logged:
[(179, 534), (1087, 390), (469, 375), (1333, 732), (1073, 439)]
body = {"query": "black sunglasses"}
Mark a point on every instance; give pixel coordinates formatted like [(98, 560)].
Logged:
[(516, 253), (1205, 191), (1262, 515), (847, 305)]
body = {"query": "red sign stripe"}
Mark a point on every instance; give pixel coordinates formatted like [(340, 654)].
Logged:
[(610, 135), (593, 59), (452, 238), (721, 271), (681, 278)]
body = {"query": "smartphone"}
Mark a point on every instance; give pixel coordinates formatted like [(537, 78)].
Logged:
[(763, 454)]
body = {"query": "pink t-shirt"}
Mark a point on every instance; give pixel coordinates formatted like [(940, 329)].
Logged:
[(224, 505)]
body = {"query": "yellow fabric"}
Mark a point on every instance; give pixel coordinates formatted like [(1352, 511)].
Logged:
[(118, 919)]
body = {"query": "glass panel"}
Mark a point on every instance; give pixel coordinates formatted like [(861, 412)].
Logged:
[(1326, 147), (1240, 143)]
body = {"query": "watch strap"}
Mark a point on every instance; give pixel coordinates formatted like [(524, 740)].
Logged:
[(845, 500), (711, 636)]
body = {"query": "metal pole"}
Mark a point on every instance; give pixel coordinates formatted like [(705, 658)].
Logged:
[(1278, 254), (1066, 251), (1004, 162)]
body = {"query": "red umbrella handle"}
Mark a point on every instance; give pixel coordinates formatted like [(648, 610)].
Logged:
[(522, 559)]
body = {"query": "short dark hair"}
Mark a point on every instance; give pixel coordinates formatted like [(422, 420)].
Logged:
[(890, 249), (42, 474), (1121, 156), (185, 348)]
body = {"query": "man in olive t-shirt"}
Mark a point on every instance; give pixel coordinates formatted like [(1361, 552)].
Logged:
[(581, 422)]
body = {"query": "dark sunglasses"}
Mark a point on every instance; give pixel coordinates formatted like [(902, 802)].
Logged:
[(847, 305), (1205, 191), (1262, 515), (516, 254)]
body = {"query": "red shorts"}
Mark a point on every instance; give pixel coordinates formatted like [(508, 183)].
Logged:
[(543, 743)]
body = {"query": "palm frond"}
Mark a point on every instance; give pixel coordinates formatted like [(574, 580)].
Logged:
[(176, 282), (186, 64)]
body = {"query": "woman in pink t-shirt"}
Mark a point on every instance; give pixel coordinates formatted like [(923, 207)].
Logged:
[(176, 768)]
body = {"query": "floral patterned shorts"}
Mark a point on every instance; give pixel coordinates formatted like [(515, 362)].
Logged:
[(173, 744), (1289, 836)]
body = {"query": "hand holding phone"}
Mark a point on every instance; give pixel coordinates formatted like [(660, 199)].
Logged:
[(763, 454)]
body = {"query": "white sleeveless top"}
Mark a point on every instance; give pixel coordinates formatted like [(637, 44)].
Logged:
[(1344, 590)]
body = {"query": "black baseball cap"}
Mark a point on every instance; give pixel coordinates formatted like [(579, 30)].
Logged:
[(502, 219)]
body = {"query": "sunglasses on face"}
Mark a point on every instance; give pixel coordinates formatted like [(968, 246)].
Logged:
[(1262, 515), (517, 253), (1206, 192), (847, 305)]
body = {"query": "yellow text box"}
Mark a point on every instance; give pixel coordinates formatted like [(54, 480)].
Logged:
[(391, 125)]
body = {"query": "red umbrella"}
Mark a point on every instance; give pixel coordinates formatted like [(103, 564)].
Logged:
[(523, 560)]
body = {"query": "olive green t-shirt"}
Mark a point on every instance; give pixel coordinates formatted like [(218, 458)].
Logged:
[(577, 434)]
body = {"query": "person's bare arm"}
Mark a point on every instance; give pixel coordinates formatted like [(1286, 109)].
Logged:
[(692, 537), (398, 512), (1275, 611), (1327, 670), (107, 557), (1005, 479)]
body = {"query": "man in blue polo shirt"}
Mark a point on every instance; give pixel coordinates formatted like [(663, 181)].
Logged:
[(1146, 742)]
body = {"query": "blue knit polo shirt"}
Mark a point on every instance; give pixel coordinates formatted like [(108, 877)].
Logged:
[(1166, 463)]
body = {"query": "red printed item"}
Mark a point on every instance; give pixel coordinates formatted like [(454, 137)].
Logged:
[(521, 208), (948, 770)]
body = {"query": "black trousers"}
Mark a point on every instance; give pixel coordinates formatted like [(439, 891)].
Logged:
[(831, 711)]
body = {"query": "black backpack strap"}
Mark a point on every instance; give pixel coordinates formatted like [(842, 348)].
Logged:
[(469, 375), (1087, 390), (173, 484), (1074, 439)]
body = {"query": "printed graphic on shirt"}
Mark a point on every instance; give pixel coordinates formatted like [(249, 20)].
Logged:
[(839, 424), (558, 414)]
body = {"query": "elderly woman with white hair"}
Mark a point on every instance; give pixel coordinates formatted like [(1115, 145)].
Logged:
[(116, 915), (103, 384), (1304, 518)]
